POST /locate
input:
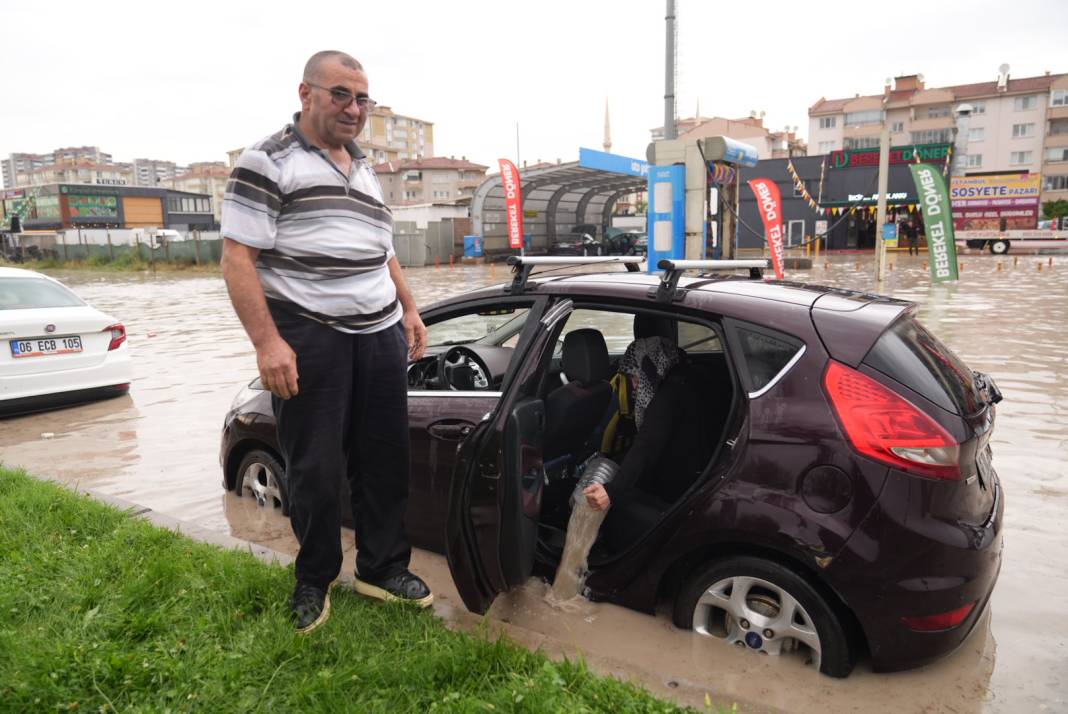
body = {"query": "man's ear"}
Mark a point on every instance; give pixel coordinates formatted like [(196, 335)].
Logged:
[(304, 92)]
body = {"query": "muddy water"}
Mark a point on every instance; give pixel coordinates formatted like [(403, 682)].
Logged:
[(158, 446), (570, 578)]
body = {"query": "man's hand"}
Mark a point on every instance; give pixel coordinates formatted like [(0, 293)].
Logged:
[(596, 497), (278, 368), (416, 331)]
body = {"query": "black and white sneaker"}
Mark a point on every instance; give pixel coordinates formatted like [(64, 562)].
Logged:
[(403, 587), (310, 607)]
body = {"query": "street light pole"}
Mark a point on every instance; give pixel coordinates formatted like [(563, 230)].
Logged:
[(880, 211)]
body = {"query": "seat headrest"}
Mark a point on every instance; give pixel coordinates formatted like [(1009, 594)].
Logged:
[(646, 325), (585, 356)]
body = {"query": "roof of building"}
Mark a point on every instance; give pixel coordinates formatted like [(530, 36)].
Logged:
[(434, 162), (960, 91)]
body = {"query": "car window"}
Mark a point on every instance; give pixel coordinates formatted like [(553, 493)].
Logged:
[(490, 327), (910, 354), (617, 327), (27, 293), (764, 353), (698, 339)]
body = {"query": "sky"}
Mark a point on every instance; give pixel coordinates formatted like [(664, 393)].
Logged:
[(190, 80)]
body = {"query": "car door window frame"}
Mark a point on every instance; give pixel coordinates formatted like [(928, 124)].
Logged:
[(536, 309)]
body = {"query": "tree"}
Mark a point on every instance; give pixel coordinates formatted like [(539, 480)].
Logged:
[(1055, 209)]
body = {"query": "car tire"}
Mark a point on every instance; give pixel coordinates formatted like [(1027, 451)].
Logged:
[(999, 247), (261, 476), (769, 587), (585, 251)]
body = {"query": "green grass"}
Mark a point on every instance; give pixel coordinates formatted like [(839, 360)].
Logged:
[(103, 612)]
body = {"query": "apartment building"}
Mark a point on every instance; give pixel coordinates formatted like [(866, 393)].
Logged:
[(206, 178), (389, 136), (153, 172), (435, 180), (23, 164), (1017, 126), (84, 171), (749, 130)]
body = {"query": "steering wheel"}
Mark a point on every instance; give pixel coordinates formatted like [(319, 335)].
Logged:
[(461, 369)]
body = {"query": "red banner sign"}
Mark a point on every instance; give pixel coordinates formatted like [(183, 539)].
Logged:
[(770, 205), (513, 202)]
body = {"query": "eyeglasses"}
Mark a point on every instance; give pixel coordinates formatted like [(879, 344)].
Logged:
[(342, 98)]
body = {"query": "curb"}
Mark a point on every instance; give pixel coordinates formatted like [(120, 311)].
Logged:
[(162, 520)]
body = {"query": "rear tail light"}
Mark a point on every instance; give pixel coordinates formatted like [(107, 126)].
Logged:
[(889, 428), (941, 621), (118, 335)]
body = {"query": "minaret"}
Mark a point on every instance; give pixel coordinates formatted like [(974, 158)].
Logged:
[(607, 129)]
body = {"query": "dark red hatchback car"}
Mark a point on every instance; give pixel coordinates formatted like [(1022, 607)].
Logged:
[(830, 494)]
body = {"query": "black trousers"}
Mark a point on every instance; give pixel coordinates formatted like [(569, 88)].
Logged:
[(349, 419)]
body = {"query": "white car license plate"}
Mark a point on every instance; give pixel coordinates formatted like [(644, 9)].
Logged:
[(41, 346)]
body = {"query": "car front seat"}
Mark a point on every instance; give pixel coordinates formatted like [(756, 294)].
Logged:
[(576, 409)]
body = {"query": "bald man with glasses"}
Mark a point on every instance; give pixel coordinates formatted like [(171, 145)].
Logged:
[(309, 264)]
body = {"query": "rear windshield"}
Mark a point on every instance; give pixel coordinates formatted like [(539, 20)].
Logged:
[(910, 354), (26, 293)]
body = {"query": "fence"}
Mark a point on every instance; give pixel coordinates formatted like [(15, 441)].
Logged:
[(57, 246)]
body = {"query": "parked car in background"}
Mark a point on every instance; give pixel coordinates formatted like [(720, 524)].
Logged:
[(621, 242), (581, 240), (830, 494), (55, 350)]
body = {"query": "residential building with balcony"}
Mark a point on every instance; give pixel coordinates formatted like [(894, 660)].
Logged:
[(388, 136), (749, 130), (23, 164), (435, 180), (1016, 126)]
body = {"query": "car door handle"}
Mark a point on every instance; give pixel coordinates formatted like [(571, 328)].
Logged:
[(451, 429)]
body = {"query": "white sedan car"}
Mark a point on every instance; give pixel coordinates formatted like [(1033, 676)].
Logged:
[(55, 349)]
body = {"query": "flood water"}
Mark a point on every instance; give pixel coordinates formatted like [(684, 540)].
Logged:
[(158, 446)]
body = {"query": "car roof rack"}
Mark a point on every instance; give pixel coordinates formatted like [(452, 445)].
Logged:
[(523, 264), (668, 290)]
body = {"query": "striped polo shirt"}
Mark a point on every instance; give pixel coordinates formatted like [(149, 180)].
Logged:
[(324, 237)]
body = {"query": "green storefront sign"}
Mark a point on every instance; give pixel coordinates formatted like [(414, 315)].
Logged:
[(937, 220)]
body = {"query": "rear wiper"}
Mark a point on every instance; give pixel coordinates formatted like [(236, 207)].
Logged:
[(990, 392)]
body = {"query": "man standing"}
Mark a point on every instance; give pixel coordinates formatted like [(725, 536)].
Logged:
[(309, 264)]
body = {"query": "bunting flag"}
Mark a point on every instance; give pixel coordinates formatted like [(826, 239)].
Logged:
[(799, 185)]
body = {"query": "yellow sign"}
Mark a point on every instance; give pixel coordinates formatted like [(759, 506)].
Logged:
[(530, 213), (997, 190)]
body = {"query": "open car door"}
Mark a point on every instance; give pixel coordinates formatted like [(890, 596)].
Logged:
[(495, 497)]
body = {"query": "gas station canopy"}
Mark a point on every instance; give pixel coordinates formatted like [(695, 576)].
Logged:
[(558, 197)]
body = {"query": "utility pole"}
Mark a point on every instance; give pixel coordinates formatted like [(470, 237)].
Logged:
[(880, 211), (669, 74)]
